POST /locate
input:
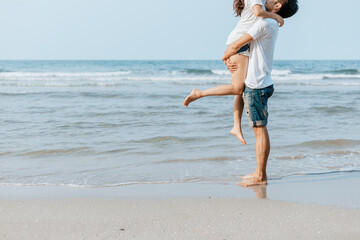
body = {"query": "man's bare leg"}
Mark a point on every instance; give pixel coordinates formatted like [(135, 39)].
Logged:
[(262, 154)]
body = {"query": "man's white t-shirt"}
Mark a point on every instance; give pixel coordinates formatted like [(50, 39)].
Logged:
[(247, 20), (265, 33)]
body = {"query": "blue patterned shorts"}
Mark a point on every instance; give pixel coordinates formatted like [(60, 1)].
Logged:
[(255, 102)]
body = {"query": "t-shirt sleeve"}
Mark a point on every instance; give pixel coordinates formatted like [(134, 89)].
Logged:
[(255, 2), (259, 29)]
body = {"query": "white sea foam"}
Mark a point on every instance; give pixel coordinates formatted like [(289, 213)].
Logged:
[(311, 77), (221, 72), (75, 79), (44, 75), (276, 72)]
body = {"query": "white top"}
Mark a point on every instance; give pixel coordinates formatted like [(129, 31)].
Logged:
[(265, 33), (247, 20)]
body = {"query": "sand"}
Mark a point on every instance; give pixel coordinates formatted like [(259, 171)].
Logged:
[(303, 207), (196, 218)]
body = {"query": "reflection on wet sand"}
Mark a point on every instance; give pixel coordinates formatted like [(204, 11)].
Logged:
[(259, 190)]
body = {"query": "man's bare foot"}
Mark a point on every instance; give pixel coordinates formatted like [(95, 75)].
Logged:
[(192, 97), (252, 182), (237, 133), (249, 176)]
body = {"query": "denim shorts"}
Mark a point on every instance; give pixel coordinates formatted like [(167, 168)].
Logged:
[(244, 50), (255, 102)]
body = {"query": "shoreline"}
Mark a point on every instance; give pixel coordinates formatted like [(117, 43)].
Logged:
[(337, 189)]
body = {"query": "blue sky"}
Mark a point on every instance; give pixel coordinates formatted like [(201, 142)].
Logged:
[(165, 29)]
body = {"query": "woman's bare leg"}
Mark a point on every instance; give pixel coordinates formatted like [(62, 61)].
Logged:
[(236, 88), (240, 74), (238, 110)]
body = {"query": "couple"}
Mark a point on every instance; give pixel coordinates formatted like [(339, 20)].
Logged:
[(249, 58)]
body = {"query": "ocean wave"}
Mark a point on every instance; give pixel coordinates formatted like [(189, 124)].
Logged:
[(54, 152), (198, 71), (120, 184), (296, 157), (345, 71), (276, 72), (214, 159), (169, 139), (190, 76), (334, 109), (195, 81), (204, 72), (56, 84), (311, 77), (221, 72), (322, 173), (330, 143), (340, 153), (45, 75), (340, 76)]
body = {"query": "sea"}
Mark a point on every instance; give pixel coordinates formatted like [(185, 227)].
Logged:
[(101, 124)]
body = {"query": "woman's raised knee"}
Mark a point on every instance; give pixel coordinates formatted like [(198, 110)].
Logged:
[(238, 90)]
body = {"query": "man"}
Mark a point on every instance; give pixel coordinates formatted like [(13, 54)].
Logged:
[(258, 83)]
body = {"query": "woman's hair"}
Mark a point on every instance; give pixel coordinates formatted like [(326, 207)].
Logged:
[(238, 7)]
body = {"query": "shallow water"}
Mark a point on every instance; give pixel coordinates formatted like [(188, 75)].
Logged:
[(113, 123)]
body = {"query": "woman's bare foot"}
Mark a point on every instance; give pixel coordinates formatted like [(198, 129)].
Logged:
[(237, 133), (192, 97)]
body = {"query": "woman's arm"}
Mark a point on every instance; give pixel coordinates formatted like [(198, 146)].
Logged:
[(235, 46), (260, 12)]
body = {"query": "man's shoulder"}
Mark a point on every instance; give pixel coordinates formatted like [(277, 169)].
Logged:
[(268, 25), (269, 22), (263, 27)]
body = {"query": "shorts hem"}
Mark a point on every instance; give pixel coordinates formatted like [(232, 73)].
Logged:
[(247, 53), (258, 123)]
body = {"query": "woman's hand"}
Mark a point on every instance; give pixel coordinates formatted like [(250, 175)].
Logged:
[(231, 66), (228, 53), (280, 20)]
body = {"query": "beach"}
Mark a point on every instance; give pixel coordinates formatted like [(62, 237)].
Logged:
[(174, 219), (299, 208)]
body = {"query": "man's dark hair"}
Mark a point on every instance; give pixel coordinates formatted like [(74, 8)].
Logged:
[(288, 9)]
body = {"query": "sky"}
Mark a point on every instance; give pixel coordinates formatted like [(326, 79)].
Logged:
[(166, 30)]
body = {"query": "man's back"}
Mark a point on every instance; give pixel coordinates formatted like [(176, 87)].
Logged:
[(264, 33)]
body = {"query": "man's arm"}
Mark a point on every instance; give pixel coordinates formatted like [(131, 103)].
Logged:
[(235, 46)]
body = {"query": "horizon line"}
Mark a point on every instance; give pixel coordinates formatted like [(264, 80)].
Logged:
[(59, 59)]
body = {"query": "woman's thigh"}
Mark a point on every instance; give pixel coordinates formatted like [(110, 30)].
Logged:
[(238, 77)]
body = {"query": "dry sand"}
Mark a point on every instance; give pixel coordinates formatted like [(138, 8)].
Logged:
[(191, 218)]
